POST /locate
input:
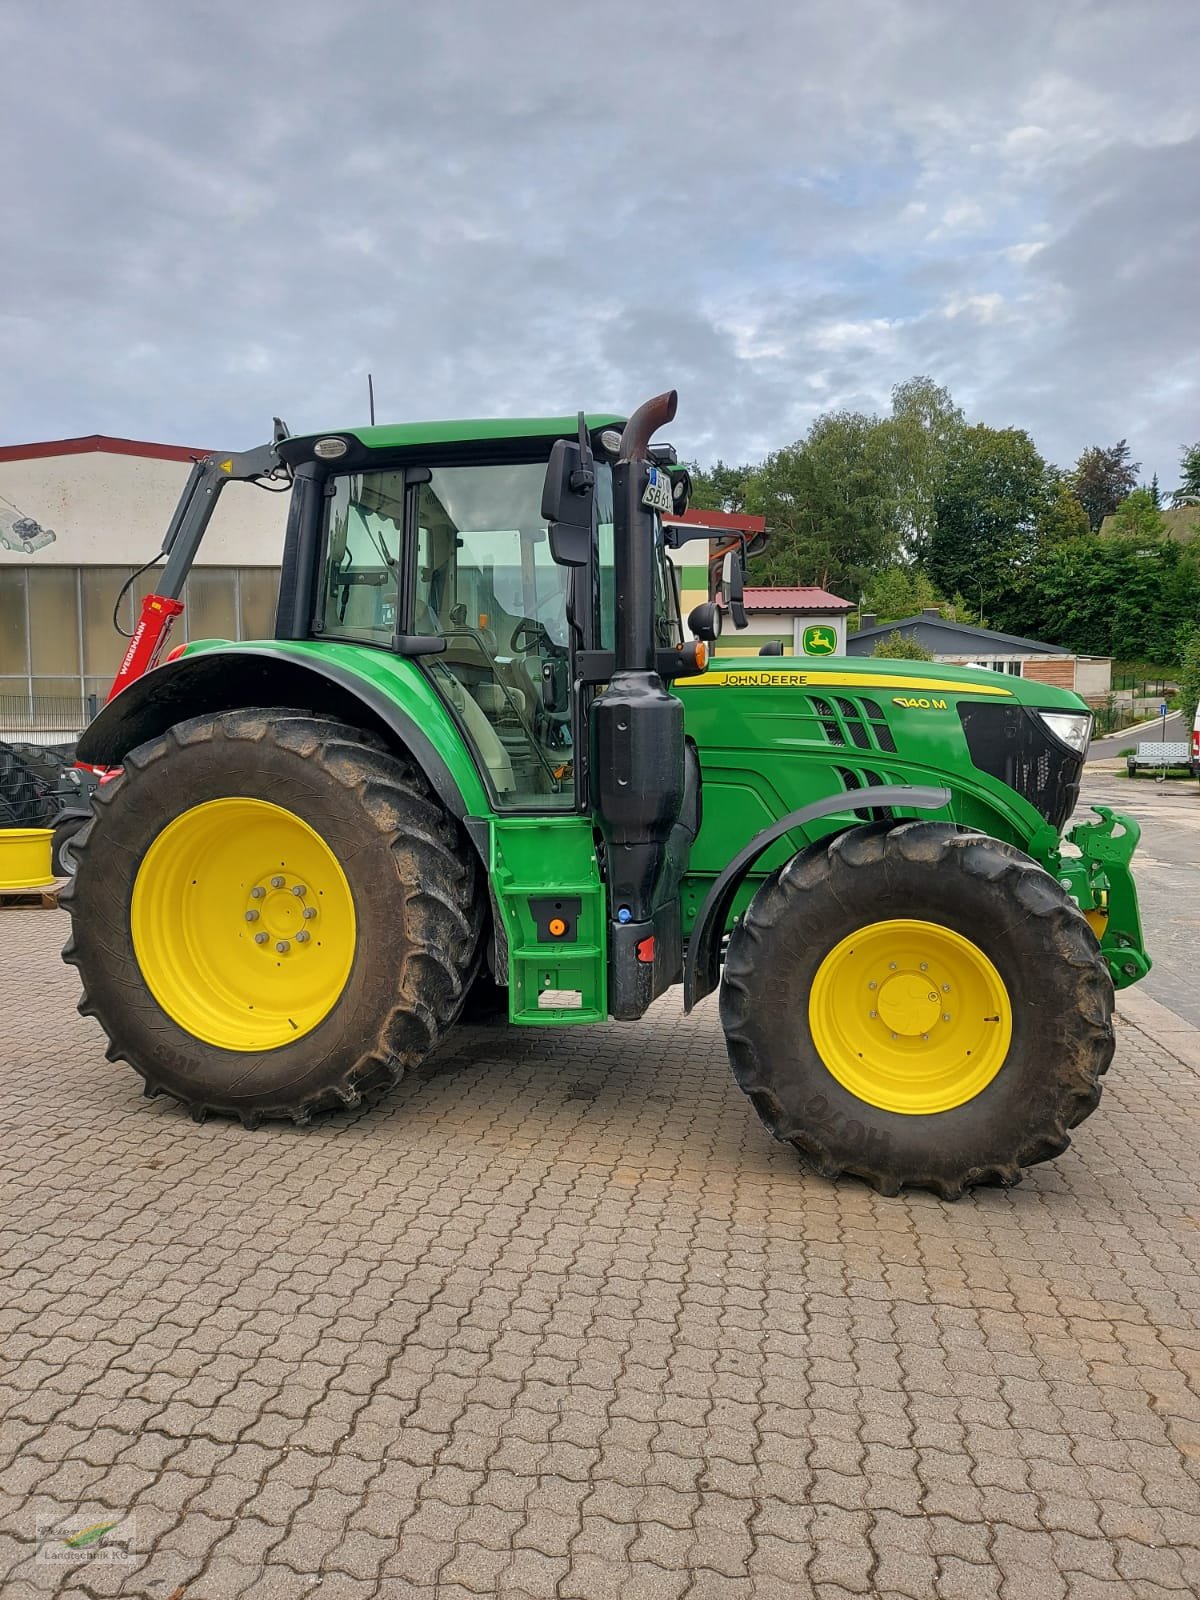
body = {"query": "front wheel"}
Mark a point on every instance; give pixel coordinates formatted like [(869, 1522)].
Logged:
[(270, 911), (918, 1005)]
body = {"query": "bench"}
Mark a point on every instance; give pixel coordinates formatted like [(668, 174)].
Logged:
[(1161, 756)]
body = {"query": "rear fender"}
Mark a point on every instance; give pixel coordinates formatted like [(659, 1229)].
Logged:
[(217, 680)]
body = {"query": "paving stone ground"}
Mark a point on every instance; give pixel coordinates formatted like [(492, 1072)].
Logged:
[(556, 1318)]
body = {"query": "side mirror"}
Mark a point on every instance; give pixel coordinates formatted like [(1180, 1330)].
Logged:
[(567, 503), (735, 574), (705, 621)]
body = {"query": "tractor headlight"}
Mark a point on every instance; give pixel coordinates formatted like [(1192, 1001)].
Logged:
[(1074, 728)]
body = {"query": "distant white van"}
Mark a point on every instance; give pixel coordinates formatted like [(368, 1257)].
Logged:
[(1196, 743)]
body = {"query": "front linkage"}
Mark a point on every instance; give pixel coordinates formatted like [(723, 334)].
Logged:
[(1101, 883)]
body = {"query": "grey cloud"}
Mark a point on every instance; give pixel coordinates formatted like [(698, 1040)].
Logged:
[(225, 211)]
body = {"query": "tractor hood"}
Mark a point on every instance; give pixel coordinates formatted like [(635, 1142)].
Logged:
[(896, 681)]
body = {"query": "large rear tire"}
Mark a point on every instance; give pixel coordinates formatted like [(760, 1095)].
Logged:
[(918, 1005), (270, 911)]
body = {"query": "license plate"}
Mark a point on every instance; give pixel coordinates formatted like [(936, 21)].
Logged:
[(658, 491)]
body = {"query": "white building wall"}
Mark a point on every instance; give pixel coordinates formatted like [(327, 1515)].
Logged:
[(112, 510)]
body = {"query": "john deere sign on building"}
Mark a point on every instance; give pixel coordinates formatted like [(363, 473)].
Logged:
[(792, 621), (819, 639)]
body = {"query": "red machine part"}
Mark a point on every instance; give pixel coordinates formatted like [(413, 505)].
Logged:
[(147, 639)]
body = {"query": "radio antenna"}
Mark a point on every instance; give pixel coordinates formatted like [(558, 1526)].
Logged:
[(371, 396)]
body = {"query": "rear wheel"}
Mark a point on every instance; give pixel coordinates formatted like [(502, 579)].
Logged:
[(918, 1005), (269, 912)]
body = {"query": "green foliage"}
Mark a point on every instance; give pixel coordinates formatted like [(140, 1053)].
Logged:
[(1155, 491), (1138, 517), (899, 592), (722, 488), (830, 503), (1062, 517), (902, 647), (1189, 674), (1108, 597), (924, 425), (912, 507), (1102, 478), (1189, 475), (992, 498)]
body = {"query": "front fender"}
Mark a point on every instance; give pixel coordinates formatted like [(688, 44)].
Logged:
[(383, 694), (703, 965)]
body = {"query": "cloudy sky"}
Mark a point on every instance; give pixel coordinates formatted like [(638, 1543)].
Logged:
[(216, 211)]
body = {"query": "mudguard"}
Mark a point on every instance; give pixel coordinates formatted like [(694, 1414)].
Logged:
[(702, 969), (230, 678)]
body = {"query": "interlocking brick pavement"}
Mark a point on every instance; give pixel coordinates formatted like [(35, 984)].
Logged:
[(557, 1318)]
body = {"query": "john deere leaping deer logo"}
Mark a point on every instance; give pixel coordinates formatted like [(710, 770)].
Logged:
[(819, 640), (21, 533)]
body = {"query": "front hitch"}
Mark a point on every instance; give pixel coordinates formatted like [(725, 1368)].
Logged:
[(1101, 882)]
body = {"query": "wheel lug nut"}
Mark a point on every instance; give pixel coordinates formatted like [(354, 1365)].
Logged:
[(945, 988), (252, 916), (303, 936), (874, 1013), (299, 890), (261, 938), (257, 893), (892, 966), (277, 882), (309, 913), (872, 984), (925, 1036), (945, 1016), (895, 1036), (924, 966), (282, 946)]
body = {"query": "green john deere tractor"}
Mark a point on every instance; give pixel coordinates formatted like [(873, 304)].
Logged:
[(480, 763)]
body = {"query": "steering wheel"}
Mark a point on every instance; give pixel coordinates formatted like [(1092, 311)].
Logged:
[(530, 635)]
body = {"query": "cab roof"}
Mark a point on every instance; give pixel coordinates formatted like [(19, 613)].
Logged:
[(479, 430)]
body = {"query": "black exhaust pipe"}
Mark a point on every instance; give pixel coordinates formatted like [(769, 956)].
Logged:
[(638, 750)]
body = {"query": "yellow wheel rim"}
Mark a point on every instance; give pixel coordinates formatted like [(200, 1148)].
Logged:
[(910, 1017), (243, 924)]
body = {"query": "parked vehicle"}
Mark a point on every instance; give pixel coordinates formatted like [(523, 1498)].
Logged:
[(480, 760)]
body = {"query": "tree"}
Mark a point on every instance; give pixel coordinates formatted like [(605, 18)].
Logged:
[(902, 647), (899, 592), (1102, 479), (1155, 491), (1122, 597), (1189, 674), (1062, 517), (923, 426), (722, 488), (991, 501), (1189, 475), (830, 503), (1138, 517)]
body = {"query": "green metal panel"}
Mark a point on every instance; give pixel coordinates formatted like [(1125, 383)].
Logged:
[(410, 435), (400, 680), (775, 734), (535, 858)]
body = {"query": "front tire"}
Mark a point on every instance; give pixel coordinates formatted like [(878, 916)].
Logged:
[(918, 1005), (270, 911)]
